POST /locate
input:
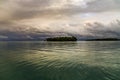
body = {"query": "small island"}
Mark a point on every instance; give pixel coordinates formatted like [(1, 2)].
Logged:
[(104, 39), (62, 39)]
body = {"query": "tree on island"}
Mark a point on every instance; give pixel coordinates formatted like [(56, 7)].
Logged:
[(62, 39), (104, 39)]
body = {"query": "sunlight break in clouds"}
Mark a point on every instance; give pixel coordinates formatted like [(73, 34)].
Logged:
[(36, 18)]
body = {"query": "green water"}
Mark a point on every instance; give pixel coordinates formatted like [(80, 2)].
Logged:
[(60, 60)]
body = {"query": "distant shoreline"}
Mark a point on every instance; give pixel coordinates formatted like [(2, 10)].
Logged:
[(98, 39), (104, 39)]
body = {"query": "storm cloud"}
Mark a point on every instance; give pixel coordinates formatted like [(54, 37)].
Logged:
[(25, 18)]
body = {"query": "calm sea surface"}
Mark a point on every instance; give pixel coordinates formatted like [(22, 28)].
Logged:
[(60, 60)]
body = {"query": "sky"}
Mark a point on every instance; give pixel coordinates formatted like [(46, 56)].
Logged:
[(41, 18)]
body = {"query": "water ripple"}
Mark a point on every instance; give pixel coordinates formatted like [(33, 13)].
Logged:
[(60, 61)]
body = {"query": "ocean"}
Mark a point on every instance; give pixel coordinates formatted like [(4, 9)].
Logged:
[(82, 60)]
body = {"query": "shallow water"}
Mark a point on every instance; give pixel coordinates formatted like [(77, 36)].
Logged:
[(60, 60)]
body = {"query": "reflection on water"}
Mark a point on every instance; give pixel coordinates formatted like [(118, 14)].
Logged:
[(59, 61)]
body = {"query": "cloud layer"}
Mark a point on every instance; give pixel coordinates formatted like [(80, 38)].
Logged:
[(38, 17)]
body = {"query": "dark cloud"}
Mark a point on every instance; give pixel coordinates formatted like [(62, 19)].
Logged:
[(91, 30), (99, 30), (33, 3), (14, 11), (26, 9)]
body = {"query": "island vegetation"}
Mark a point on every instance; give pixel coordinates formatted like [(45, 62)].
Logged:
[(62, 39), (104, 39)]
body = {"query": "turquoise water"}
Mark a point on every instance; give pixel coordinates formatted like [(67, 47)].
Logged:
[(60, 60)]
